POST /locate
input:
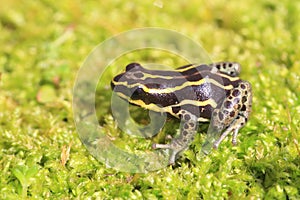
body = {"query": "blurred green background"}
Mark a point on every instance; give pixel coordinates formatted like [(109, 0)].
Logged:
[(42, 46)]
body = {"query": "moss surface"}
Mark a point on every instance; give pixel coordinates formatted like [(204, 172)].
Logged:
[(44, 44)]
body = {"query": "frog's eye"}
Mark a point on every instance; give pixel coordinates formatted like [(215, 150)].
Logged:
[(133, 66), (137, 93)]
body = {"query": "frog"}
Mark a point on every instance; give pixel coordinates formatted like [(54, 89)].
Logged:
[(193, 93)]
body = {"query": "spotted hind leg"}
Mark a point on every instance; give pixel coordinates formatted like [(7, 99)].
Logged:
[(232, 115)]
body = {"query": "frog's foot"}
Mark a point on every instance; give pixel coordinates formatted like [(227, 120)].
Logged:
[(236, 125), (233, 113), (230, 68), (177, 145)]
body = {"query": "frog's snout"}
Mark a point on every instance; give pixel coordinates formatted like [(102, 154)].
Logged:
[(116, 79)]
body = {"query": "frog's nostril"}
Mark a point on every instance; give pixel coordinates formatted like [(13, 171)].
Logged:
[(115, 80), (118, 77)]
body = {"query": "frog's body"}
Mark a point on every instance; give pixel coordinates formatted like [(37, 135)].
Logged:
[(193, 94)]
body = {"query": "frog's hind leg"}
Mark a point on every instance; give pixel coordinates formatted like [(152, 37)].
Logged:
[(187, 133), (230, 68), (233, 113), (234, 127)]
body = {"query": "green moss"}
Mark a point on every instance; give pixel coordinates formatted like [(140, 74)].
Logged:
[(42, 47)]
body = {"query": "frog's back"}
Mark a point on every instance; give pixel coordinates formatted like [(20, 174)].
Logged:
[(197, 89)]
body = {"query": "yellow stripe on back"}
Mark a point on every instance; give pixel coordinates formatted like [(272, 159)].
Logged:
[(176, 88)]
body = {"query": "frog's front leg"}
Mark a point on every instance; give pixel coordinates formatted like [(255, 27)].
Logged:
[(187, 133), (232, 115)]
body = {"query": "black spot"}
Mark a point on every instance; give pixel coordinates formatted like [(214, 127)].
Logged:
[(221, 116), (231, 73), (244, 99), (185, 133), (225, 112), (236, 92), (243, 86), (214, 114), (224, 65), (227, 104), (242, 124), (243, 108), (191, 124), (218, 66), (230, 97), (186, 126), (187, 117), (232, 113), (176, 110), (230, 65), (184, 140)]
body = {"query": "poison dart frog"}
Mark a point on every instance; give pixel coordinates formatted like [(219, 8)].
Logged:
[(192, 93)]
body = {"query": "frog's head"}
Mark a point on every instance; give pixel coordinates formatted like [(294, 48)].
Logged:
[(130, 83)]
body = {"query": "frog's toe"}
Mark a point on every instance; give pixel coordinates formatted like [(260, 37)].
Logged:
[(234, 142), (234, 137), (172, 158), (216, 144), (175, 150), (169, 137), (160, 146)]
